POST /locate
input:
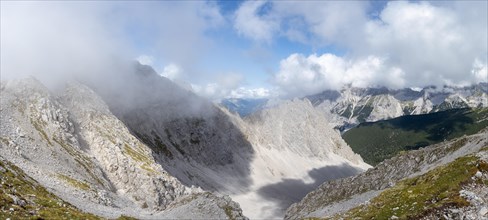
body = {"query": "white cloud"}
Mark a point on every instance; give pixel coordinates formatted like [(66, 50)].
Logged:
[(408, 44), (54, 41), (430, 43), (145, 60), (51, 40), (299, 75), (308, 22), (172, 71), (249, 23), (216, 92), (480, 71), (251, 93), (230, 86)]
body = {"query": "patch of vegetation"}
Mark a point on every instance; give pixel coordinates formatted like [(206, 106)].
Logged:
[(140, 157), (377, 141), (161, 146), (81, 159), (32, 201), (149, 168), (38, 126), (228, 212), (416, 197), (136, 155), (75, 183), (4, 140), (124, 217)]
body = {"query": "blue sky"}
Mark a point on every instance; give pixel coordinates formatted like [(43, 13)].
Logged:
[(255, 49)]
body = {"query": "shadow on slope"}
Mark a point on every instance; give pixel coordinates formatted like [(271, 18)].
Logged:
[(290, 191), (191, 138)]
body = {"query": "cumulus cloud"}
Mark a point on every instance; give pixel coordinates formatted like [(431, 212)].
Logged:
[(250, 23), (251, 93), (230, 85), (217, 92), (299, 75), (145, 60), (172, 71), (430, 43), (405, 44), (309, 22)]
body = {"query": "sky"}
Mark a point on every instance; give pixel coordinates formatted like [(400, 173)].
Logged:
[(252, 49)]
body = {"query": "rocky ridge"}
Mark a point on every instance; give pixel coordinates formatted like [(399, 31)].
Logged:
[(338, 196), (72, 144), (351, 106)]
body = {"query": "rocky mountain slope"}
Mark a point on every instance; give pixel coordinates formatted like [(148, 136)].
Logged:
[(145, 147), (75, 147), (351, 106), (206, 146), (23, 197), (295, 151), (368, 192)]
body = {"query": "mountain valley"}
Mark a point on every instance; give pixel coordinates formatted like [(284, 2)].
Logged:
[(96, 149)]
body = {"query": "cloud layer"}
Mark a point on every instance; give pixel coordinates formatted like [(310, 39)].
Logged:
[(400, 44), (54, 41), (404, 44)]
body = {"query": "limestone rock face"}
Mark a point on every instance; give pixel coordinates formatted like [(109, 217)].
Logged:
[(296, 126), (72, 144)]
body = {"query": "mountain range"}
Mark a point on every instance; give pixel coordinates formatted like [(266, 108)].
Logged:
[(349, 106), (149, 149)]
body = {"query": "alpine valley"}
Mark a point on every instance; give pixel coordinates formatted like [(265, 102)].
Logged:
[(150, 149)]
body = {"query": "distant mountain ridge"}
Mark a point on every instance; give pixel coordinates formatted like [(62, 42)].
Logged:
[(351, 106), (244, 107)]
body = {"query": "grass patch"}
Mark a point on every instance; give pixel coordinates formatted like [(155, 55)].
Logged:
[(4, 140), (161, 146), (136, 155), (416, 197), (75, 183), (377, 141), (228, 212), (37, 125), (39, 203), (81, 159), (125, 217)]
